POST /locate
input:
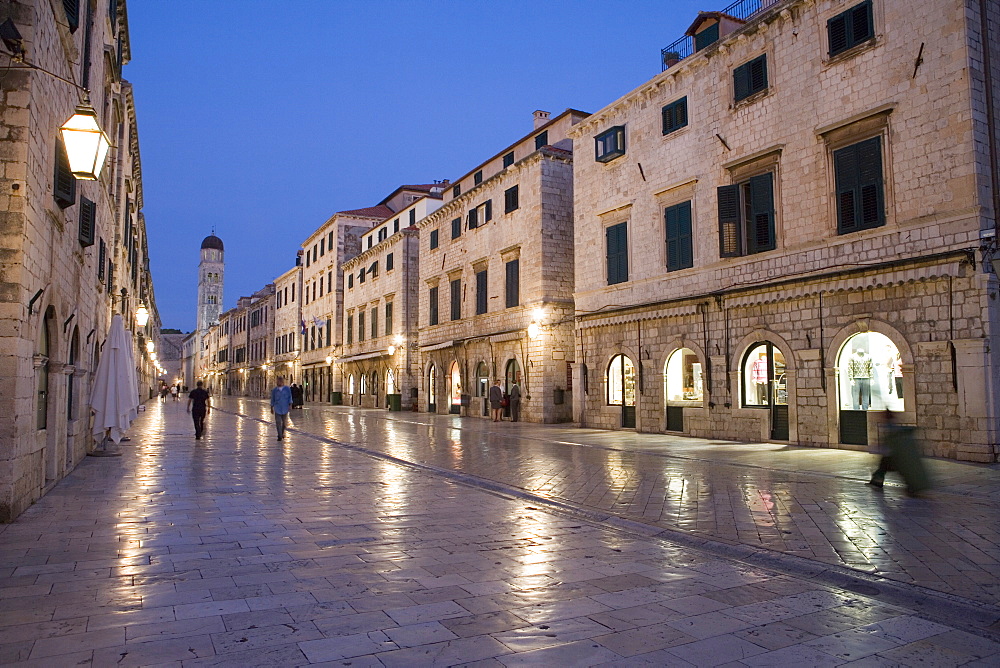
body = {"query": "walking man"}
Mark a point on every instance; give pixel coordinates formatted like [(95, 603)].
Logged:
[(199, 403), (281, 402), (514, 396), (496, 397)]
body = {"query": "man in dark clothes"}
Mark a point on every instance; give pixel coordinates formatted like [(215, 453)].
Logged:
[(199, 403)]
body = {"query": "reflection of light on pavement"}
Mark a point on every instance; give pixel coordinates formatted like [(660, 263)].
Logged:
[(394, 492), (395, 444), (534, 535)]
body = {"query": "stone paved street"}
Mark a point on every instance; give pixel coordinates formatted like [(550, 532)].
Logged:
[(501, 545)]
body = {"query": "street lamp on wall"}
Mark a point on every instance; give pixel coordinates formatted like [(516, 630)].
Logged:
[(141, 315), (86, 143)]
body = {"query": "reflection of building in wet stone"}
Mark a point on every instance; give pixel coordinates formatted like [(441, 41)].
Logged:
[(763, 234), (496, 280)]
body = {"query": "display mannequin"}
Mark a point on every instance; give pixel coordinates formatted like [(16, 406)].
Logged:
[(758, 373), (860, 370)]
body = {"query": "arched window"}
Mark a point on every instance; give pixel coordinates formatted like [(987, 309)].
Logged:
[(42, 371), (390, 382), (455, 384), (683, 378), (431, 389), (870, 374), (364, 383), (621, 381), (482, 380), (764, 382), (511, 374), (374, 387), (350, 384)]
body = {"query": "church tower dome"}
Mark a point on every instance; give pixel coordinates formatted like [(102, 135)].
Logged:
[(211, 270)]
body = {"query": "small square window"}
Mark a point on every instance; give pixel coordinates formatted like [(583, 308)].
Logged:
[(389, 262), (750, 78), (508, 160), (434, 239), (477, 178), (510, 200), (848, 29), (675, 116), (610, 144), (541, 139)]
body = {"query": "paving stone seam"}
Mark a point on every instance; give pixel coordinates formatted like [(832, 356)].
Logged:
[(981, 619)]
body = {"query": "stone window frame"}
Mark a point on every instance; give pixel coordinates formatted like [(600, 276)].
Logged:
[(672, 195), (848, 52), (610, 144), (747, 167)]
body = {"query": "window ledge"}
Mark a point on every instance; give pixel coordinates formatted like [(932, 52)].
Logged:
[(677, 132), (751, 99), (855, 50)]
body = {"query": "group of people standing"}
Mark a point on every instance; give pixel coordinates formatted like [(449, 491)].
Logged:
[(499, 400)]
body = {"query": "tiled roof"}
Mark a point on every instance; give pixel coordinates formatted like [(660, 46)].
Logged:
[(381, 212)]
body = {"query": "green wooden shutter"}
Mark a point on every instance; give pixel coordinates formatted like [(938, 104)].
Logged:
[(433, 306), (72, 8), (730, 242), (872, 196), (617, 253), (388, 319), (761, 224), (862, 27), (758, 74), (836, 31), (489, 211), (88, 215), (456, 299), (456, 228), (741, 82), (513, 285), (677, 220), (473, 219), (64, 183), (845, 168), (481, 294), (102, 257)]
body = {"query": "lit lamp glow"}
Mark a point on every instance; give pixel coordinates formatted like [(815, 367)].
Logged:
[(329, 360), (86, 143), (391, 350), (150, 347), (141, 315), (534, 330)]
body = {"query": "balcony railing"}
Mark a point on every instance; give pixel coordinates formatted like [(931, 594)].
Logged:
[(684, 47)]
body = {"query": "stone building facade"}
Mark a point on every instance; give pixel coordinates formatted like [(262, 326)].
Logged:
[(260, 341), (495, 259), (782, 235), (288, 324), (379, 355), (74, 251)]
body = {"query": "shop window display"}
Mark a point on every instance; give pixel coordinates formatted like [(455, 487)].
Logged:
[(390, 382), (870, 374), (764, 378), (684, 377), (621, 381), (456, 385)]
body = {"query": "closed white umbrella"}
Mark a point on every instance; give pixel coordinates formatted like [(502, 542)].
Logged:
[(115, 395)]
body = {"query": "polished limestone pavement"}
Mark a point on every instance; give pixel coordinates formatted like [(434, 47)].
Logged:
[(368, 538)]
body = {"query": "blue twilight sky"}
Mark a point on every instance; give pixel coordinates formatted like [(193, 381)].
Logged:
[(262, 118)]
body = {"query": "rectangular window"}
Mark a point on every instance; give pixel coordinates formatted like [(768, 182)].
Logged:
[(860, 193), (322, 247), (677, 221), (361, 326), (675, 115), (329, 282), (706, 36), (373, 269), (350, 329), (456, 299), (750, 78), (329, 241), (361, 275), (374, 314), (64, 183), (456, 228), (388, 262), (481, 214), (477, 178), (610, 144), (746, 217), (456, 190), (413, 217), (541, 139), (102, 256), (512, 284), (350, 280), (308, 258), (848, 29), (395, 226), (617, 253), (320, 286), (482, 297), (329, 331), (432, 308), (388, 318), (508, 160), (434, 239), (510, 200), (88, 220)]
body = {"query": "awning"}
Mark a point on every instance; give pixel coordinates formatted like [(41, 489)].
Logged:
[(362, 356), (437, 346)]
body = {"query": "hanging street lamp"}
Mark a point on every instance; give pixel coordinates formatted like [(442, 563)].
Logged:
[(141, 315), (86, 143)]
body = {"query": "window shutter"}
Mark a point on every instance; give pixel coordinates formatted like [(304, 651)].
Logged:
[(758, 74), (617, 253), (433, 306), (389, 262), (481, 295), (845, 168), (870, 179), (685, 236), (489, 211), (729, 221), (88, 214), (361, 326), (388, 319), (761, 228), (329, 331), (64, 183), (350, 329), (513, 284), (374, 323), (677, 220), (741, 82), (836, 30), (102, 256), (473, 219), (861, 23), (456, 228), (541, 139), (510, 197), (456, 299), (72, 8)]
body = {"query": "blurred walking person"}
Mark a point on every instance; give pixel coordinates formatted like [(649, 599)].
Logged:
[(281, 403), (900, 452), (199, 404)]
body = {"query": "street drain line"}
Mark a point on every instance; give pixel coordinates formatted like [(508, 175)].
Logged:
[(981, 619)]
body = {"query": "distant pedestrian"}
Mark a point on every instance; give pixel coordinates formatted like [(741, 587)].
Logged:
[(199, 404), (514, 397), (296, 395), (174, 391), (899, 452), (496, 400), (281, 402)]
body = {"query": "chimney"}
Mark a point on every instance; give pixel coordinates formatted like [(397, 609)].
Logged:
[(541, 118)]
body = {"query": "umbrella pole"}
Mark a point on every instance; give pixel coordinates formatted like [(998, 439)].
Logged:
[(102, 449)]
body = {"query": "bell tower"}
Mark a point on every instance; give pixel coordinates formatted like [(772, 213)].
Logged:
[(211, 269)]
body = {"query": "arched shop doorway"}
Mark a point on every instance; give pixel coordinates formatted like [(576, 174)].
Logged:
[(869, 378), (765, 385), (620, 382), (432, 390), (390, 382), (511, 375), (374, 388), (350, 389), (483, 386), (683, 383), (455, 389)]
